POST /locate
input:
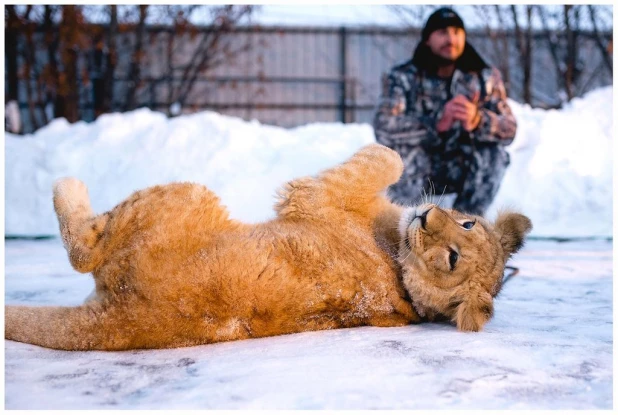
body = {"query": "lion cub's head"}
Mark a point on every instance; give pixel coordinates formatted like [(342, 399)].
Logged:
[(453, 263)]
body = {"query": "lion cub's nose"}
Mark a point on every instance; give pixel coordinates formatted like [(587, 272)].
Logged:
[(423, 218)]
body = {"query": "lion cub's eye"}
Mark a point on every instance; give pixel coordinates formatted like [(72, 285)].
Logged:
[(452, 259), (468, 225)]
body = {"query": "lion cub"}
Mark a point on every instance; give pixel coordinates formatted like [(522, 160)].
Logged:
[(171, 268), (452, 263)]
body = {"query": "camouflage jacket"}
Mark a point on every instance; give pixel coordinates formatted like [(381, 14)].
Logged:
[(413, 102)]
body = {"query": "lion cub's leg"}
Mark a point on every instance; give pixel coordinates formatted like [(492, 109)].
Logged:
[(80, 229), (355, 185), (402, 314), (360, 184), (369, 171)]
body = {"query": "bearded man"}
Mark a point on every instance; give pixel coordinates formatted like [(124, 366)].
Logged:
[(445, 112)]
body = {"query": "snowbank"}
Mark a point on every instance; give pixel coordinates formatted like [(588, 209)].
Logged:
[(561, 167), (561, 163)]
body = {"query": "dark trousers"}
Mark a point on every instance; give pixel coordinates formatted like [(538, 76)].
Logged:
[(475, 177)]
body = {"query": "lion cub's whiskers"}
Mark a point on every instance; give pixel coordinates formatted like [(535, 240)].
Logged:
[(441, 199), (432, 189)]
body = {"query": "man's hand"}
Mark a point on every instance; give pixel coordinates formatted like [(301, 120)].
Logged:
[(467, 111), (460, 109), (448, 117), (398, 108)]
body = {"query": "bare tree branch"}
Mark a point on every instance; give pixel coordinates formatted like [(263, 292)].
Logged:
[(28, 69), (523, 45), (413, 16), (506, 70), (598, 39), (138, 54), (12, 25), (212, 50), (552, 42), (112, 59), (500, 46)]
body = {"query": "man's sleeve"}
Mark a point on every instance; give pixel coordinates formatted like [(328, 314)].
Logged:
[(395, 122), (498, 123)]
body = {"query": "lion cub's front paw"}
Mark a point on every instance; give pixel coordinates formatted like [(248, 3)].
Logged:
[(384, 161)]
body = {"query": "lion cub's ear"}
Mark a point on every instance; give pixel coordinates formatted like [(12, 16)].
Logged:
[(512, 228), (472, 313)]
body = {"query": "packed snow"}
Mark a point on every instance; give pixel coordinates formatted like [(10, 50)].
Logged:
[(561, 163), (549, 346)]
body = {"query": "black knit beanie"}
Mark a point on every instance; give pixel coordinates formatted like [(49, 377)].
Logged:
[(441, 18)]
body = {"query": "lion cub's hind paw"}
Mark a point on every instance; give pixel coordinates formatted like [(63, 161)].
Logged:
[(69, 194)]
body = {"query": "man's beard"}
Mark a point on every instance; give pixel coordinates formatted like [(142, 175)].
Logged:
[(442, 61)]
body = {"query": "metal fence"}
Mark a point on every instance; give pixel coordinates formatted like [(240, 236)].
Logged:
[(292, 76)]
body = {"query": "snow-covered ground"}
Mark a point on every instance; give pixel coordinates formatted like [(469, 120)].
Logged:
[(561, 165), (549, 346)]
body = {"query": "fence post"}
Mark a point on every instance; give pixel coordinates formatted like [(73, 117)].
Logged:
[(353, 110), (153, 83), (342, 72)]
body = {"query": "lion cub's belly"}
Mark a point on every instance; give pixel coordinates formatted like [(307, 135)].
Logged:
[(265, 286), (247, 283)]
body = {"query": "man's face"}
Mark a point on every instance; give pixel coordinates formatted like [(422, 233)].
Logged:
[(447, 43)]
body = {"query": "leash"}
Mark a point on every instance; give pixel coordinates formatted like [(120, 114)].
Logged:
[(513, 271)]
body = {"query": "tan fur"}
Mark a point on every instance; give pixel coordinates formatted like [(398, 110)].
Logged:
[(172, 269), (465, 293)]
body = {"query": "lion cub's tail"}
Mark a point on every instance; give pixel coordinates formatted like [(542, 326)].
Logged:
[(84, 327), (80, 229)]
